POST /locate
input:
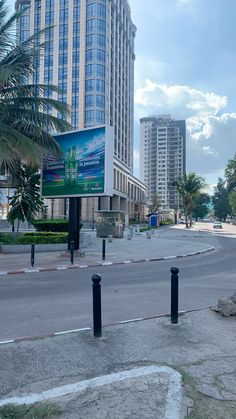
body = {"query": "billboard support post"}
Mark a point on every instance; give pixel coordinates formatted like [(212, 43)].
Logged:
[(74, 222)]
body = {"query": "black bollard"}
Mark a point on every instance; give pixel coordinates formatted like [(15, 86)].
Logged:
[(174, 295), (103, 249), (32, 254), (72, 248), (97, 309)]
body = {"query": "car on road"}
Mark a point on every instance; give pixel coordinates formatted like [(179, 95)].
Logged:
[(217, 224)]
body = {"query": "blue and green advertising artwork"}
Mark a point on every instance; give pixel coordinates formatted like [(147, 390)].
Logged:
[(86, 168)]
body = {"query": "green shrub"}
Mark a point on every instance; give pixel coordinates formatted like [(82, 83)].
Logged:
[(42, 238), (42, 234), (57, 226), (7, 238), (142, 229), (51, 225), (166, 222)]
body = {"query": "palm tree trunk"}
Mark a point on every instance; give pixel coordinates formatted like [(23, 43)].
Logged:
[(186, 216), (18, 225), (190, 218)]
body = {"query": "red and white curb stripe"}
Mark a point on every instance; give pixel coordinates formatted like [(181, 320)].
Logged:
[(88, 329), (96, 264)]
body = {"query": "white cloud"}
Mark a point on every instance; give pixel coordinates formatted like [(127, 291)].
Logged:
[(186, 99), (211, 132)]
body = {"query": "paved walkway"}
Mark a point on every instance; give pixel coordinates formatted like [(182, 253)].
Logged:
[(164, 244), (139, 369), (145, 369)]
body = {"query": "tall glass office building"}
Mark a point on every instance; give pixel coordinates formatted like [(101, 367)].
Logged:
[(90, 56)]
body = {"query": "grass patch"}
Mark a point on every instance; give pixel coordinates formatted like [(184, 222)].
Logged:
[(34, 411)]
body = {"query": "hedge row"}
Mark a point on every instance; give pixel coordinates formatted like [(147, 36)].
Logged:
[(6, 238), (166, 223), (34, 238), (52, 225), (58, 226)]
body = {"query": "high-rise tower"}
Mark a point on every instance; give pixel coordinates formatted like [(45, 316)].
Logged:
[(89, 55), (162, 157)]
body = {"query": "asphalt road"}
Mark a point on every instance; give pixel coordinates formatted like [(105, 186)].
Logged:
[(37, 304)]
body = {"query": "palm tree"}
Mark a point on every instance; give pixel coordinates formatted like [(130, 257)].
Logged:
[(25, 123), (26, 201), (189, 186)]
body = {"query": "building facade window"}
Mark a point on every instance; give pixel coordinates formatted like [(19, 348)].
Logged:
[(100, 85), (89, 85), (89, 101), (89, 70), (91, 10), (100, 117), (89, 118), (100, 101)]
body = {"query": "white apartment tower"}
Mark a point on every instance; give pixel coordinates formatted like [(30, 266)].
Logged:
[(162, 157), (89, 55)]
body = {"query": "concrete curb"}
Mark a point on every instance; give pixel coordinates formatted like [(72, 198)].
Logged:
[(96, 264), (88, 329)]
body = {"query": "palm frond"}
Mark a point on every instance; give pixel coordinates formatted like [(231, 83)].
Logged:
[(25, 121)]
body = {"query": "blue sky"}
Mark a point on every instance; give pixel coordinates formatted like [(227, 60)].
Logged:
[(185, 66)]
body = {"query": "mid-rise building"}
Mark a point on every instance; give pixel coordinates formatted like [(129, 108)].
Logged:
[(89, 55), (162, 157)]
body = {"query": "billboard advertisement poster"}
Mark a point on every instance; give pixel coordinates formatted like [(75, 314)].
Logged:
[(86, 168)]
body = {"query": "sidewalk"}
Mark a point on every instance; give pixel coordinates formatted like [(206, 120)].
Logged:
[(145, 369), (166, 243)]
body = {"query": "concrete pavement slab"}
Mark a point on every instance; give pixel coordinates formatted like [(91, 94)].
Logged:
[(106, 396), (201, 348)]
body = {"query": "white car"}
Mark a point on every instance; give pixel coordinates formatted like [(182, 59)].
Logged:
[(217, 224)]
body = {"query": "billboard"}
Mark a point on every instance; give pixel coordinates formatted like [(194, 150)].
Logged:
[(86, 168)]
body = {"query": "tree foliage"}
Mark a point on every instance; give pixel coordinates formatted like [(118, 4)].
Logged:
[(189, 186), (232, 201), (25, 123), (220, 200), (155, 205), (201, 202), (230, 174), (26, 201)]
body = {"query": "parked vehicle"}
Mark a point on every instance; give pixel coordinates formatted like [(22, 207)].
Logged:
[(217, 224)]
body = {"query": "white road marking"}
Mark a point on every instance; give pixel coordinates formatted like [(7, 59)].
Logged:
[(3, 342), (71, 331), (173, 400), (169, 257), (28, 271), (131, 321)]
